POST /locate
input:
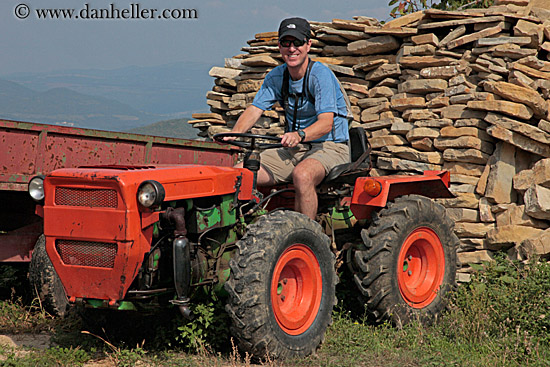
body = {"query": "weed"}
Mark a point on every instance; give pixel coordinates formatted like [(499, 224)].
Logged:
[(122, 357), (207, 330), (13, 280), (504, 311), (127, 357), (17, 317)]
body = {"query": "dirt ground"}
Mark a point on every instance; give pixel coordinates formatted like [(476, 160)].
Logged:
[(22, 343)]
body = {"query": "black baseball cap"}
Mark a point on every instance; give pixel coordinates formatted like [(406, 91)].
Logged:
[(296, 27)]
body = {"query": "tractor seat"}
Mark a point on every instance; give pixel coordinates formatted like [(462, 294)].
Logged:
[(360, 163)]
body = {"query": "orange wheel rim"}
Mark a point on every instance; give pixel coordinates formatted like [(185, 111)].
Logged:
[(296, 289), (420, 267)]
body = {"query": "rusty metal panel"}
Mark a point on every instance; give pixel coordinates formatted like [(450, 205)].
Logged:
[(177, 155), (72, 151), (18, 153), (10, 186), (30, 148)]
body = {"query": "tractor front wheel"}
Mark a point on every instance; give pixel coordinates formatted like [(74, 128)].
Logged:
[(282, 286), (45, 281), (408, 264)]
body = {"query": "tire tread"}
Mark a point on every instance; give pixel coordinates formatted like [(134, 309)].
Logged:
[(382, 241), (246, 305)]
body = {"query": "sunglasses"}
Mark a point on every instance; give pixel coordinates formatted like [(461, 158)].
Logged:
[(295, 42)]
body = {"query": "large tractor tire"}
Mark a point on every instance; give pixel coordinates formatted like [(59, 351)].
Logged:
[(45, 281), (408, 265), (282, 287)]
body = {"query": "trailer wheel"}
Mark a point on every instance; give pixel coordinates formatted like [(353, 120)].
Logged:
[(45, 281), (409, 262), (282, 286)]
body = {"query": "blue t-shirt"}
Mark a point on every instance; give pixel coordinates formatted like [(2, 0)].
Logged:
[(325, 89)]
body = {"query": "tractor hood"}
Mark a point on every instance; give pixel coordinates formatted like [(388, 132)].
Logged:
[(179, 182)]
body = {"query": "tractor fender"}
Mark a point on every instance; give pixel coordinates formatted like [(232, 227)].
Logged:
[(432, 184)]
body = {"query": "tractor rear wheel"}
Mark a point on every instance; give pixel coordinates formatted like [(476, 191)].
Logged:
[(282, 286), (45, 281), (408, 265)]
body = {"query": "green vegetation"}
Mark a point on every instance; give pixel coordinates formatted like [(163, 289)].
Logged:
[(55, 356), (403, 7), (209, 330), (176, 128), (499, 319)]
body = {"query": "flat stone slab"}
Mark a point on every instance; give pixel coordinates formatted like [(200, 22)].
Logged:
[(527, 130), (415, 155), (421, 62), (519, 94), (218, 72), (506, 107), (375, 45), (457, 22), (473, 37), (396, 164), (519, 141), (422, 86), (484, 42)]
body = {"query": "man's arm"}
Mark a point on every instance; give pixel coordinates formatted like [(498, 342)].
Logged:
[(319, 128), (247, 119)]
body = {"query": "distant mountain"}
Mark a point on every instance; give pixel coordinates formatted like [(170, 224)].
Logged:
[(176, 128), (65, 106), (176, 90)]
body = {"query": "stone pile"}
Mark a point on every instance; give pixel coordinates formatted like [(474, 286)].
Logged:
[(464, 91)]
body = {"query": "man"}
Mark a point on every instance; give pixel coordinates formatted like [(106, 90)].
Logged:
[(315, 111)]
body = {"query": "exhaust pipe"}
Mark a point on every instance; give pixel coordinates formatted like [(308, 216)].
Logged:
[(182, 275), (182, 261)]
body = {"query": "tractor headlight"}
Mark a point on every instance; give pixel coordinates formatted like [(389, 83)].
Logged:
[(150, 193), (36, 188)]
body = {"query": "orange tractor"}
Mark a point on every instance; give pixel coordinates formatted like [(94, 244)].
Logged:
[(142, 237)]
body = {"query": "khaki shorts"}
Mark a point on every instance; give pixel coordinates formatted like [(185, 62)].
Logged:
[(281, 162)]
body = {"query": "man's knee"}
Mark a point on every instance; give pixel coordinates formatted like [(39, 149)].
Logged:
[(308, 175), (265, 178)]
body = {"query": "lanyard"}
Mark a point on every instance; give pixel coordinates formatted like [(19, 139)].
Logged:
[(298, 101)]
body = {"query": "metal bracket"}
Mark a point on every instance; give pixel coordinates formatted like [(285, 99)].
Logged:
[(238, 184)]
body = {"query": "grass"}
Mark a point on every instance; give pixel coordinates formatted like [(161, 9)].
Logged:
[(500, 319)]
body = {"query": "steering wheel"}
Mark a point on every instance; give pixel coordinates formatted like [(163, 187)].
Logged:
[(251, 143)]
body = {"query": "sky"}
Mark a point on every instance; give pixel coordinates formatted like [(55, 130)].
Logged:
[(219, 30)]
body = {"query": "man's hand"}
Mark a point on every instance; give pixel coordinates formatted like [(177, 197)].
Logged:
[(291, 139), (229, 138)]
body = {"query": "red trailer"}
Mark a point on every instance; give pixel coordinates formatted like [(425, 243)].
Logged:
[(29, 149)]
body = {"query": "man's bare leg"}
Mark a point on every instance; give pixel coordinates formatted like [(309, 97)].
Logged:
[(306, 176), (264, 177)]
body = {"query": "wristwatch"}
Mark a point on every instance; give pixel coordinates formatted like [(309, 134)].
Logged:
[(301, 134)]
